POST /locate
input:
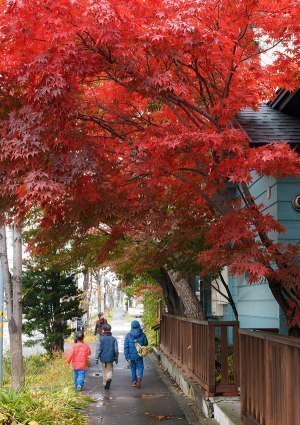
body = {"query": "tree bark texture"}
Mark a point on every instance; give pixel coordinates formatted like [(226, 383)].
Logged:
[(174, 303), (16, 330), (13, 300), (192, 307), (229, 297), (57, 345), (87, 290)]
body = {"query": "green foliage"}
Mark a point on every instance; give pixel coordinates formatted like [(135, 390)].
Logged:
[(50, 299), (150, 299), (230, 376), (37, 407), (146, 285), (64, 247), (132, 289), (48, 397), (40, 370), (6, 369)]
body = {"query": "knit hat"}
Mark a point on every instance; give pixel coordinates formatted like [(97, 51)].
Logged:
[(135, 324)]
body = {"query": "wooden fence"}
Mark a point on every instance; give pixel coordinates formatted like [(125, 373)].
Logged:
[(270, 379), (206, 351)]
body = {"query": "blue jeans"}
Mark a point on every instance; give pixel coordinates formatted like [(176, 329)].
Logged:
[(79, 375), (137, 369)]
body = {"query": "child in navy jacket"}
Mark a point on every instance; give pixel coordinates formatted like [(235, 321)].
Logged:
[(136, 362), (108, 353)]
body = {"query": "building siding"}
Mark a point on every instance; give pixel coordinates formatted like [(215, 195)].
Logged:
[(287, 215), (255, 303)]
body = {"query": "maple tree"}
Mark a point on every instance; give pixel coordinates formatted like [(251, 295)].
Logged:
[(110, 109)]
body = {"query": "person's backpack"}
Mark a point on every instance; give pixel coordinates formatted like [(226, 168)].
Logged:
[(142, 350)]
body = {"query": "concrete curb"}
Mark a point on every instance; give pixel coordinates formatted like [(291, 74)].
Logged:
[(227, 412), (188, 407), (223, 410)]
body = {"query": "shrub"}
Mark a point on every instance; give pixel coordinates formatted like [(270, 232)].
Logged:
[(48, 407), (150, 300), (48, 397)]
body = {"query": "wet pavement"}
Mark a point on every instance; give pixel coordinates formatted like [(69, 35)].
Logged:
[(123, 404)]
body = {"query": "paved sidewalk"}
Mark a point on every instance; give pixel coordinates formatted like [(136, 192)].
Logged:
[(124, 405)]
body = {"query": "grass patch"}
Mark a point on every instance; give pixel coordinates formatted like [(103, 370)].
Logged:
[(48, 397), (37, 407)]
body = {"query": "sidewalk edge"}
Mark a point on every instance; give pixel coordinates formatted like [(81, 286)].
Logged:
[(184, 405)]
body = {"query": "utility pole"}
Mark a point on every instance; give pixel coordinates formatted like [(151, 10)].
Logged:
[(1, 322)]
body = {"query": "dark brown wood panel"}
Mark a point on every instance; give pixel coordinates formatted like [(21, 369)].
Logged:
[(196, 348), (270, 379)]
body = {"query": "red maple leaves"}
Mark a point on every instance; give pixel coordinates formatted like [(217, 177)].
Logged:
[(116, 112)]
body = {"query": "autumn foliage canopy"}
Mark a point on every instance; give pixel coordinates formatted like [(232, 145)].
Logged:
[(118, 117)]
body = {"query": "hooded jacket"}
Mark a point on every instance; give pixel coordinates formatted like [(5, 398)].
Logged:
[(78, 355), (135, 335), (108, 351)]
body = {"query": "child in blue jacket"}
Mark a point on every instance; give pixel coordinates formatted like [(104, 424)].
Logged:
[(136, 362), (108, 353)]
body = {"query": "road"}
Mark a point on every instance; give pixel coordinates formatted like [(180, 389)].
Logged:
[(27, 351)]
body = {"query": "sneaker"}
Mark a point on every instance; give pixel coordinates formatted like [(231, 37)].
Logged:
[(139, 383), (107, 385), (78, 387), (133, 384)]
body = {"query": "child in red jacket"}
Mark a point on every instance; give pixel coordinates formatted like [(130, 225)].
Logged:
[(78, 355)]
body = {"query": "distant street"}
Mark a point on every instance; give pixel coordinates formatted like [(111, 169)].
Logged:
[(27, 351)]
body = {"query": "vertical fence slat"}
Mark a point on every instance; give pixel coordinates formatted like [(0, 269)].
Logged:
[(270, 381), (191, 345), (243, 375), (236, 354), (211, 373), (262, 382), (224, 356)]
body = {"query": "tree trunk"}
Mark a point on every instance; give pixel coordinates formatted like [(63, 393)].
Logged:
[(13, 300), (57, 345), (174, 304), (229, 297), (86, 294), (192, 307), (88, 298), (6, 273), (16, 322), (100, 275)]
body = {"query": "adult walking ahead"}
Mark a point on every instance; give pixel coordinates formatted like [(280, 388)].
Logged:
[(98, 333), (136, 361), (99, 325)]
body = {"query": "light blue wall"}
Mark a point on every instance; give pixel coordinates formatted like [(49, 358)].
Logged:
[(288, 217), (255, 304)]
